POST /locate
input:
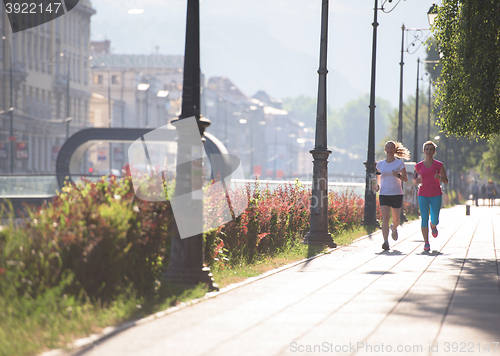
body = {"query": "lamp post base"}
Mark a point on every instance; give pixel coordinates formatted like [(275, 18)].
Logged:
[(190, 276), (319, 239)]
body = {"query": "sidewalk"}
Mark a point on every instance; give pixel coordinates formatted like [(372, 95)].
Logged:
[(357, 300)]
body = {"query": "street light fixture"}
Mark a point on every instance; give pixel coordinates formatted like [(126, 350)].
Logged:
[(162, 93), (432, 13)]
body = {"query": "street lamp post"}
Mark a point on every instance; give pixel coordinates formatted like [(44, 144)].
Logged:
[(251, 116), (415, 139), (186, 259), (12, 138), (68, 103), (11, 115), (429, 111), (68, 109), (275, 151), (252, 149), (110, 119), (318, 231), (418, 36), (291, 140), (401, 64), (145, 88), (370, 204)]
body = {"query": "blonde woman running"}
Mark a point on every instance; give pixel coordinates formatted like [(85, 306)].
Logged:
[(390, 173)]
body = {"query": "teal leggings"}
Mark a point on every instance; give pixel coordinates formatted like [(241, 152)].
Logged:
[(434, 203)]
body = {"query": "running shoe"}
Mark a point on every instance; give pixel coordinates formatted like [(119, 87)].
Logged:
[(435, 232), (394, 233), (385, 246), (427, 247)]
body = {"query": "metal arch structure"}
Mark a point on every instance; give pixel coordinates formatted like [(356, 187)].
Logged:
[(73, 150)]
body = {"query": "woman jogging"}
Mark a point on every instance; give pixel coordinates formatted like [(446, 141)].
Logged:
[(429, 174), (390, 173)]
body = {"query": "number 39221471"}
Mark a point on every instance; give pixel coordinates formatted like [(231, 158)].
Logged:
[(33, 8)]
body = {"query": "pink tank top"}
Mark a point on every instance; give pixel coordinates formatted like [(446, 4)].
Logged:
[(430, 187)]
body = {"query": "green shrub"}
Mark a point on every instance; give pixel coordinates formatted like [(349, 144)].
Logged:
[(99, 232), (103, 240)]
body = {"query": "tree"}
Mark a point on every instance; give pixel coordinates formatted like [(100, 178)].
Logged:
[(491, 158), (303, 109), (409, 124), (347, 129), (468, 89), (348, 133)]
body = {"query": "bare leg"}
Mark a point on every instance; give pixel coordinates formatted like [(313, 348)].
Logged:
[(425, 234), (396, 215), (386, 215)]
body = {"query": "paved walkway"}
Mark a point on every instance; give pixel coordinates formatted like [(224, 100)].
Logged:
[(356, 300)]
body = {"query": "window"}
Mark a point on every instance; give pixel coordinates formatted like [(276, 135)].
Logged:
[(97, 78), (115, 79)]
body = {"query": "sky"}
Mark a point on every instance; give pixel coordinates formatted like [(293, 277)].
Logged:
[(273, 45)]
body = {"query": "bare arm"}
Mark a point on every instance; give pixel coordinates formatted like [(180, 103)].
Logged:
[(403, 176), (442, 175), (417, 179)]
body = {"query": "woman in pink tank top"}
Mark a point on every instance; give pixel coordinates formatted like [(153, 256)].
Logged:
[(429, 174)]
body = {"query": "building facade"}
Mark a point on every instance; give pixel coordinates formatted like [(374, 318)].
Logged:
[(256, 129), (142, 91), (44, 89)]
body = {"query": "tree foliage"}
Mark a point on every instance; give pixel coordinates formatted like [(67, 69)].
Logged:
[(347, 129), (491, 158), (468, 89), (409, 125)]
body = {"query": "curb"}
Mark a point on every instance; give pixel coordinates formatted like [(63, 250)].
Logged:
[(84, 344)]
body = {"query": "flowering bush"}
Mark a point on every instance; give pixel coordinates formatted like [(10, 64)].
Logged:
[(274, 219), (98, 238), (97, 232)]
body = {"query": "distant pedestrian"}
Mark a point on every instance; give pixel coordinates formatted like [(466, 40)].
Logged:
[(429, 173), (475, 193), (390, 173), (483, 193), (492, 192)]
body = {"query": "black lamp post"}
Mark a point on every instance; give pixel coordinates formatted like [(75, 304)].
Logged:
[(186, 265), (276, 129), (370, 213), (401, 64), (68, 99), (415, 137), (12, 138), (318, 231), (429, 111)]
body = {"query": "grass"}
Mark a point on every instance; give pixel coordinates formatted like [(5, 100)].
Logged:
[(53, 320), (29, 327), (292, 253)]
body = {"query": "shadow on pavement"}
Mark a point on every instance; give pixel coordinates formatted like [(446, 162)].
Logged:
[(475, 301)]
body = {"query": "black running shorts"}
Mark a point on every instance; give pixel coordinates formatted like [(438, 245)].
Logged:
[(394, 201)]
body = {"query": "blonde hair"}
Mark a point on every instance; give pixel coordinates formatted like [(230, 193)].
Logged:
[(429, 143), (401, 151)]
